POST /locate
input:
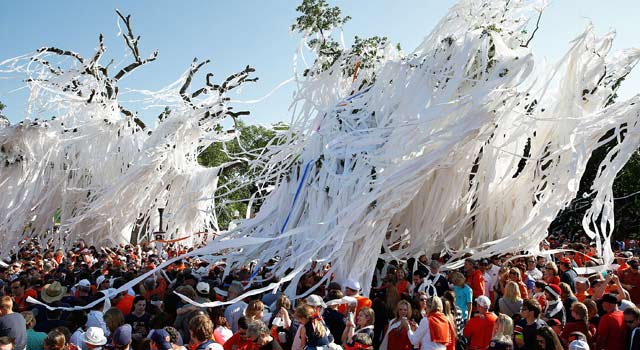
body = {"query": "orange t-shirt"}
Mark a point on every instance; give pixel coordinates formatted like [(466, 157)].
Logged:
[(236, 342), (476, 282), (479, 329), (125, 304)]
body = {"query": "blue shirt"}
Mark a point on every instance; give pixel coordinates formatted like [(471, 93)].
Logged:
[(464, 296)]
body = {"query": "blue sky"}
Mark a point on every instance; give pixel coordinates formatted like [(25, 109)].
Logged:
[(236, 33)]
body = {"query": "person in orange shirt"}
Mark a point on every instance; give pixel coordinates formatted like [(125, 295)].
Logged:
[(475, 278), (621, 259), (403, 284), (239, 340), (479, 329), (351, 289), (123, 300), (582, 288)]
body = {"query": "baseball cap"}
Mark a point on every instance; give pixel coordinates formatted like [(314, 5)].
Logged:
[(202, 287), (122, 335), (315, 300), (578, 345), (162, 339), (483, 301), (352, 284)]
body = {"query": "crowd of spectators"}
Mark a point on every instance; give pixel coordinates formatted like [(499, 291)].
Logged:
[(549, 301)]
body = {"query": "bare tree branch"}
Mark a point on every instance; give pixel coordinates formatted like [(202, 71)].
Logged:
[(62, 53), (132, 42), (194, 69), (534, 31)]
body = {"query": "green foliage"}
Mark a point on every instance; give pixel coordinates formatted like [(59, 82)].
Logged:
[(318, 17), (252, 138), (317, 20)]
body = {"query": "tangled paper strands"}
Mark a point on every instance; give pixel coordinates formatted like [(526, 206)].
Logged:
[(463, 145)]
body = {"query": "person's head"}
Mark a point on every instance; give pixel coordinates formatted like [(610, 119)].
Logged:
[(366, 317), (565, 290), (483, 303), (592, 307), (258, 333), (94, 338), (121, 338), (541, 260), (304, 313), (29, 320), (555, 324), (403, 309), (401, 274), (7, 343), (469, 265), (582, 285), (201, 328), (530, 308), (113, 318), (609, 303), (512, 291), (217, 317), (632, 317), (551, 269), (552, 292), (547, 339), (234, 291), (579, 312), (503, 327), (433, 304), (6, 305), (18, 286), (55, 340), (418, 277), (514, 275), (255, 310), (242, 326), (458, 279), (139, 304), (76, 319), (351, 287), (434, 266), (160, 340), (283, 302), (362, 341)]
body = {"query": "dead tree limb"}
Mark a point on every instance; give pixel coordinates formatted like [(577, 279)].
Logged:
[(534, 31), (187, 82)]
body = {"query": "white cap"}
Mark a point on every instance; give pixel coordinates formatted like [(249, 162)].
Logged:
[(202, 287), (578, 345), (352, 284), (94, 336), (84, 283), (315, 300), (483, 301), (100, 279)]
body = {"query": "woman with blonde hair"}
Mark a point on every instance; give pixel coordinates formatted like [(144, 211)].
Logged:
[(397, 336), (503, 328), (511, 302), (364, 323), (254, 311), (435, 332), (313, 332)]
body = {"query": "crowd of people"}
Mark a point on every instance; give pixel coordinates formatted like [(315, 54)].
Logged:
[(549, 301)]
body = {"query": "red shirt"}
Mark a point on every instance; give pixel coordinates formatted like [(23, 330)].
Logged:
[(475, 280), (398, 339), (612, 331), (236, 342), (21, 303), (632, 277), (125, 304), (479, 329)]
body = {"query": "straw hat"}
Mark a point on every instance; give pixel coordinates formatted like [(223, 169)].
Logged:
[(53, 292)]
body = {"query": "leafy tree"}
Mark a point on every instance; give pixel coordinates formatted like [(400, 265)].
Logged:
[(237, 182), (317, 21)]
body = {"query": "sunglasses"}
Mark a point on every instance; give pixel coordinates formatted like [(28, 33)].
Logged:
[(628, 322), (423, 299)]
